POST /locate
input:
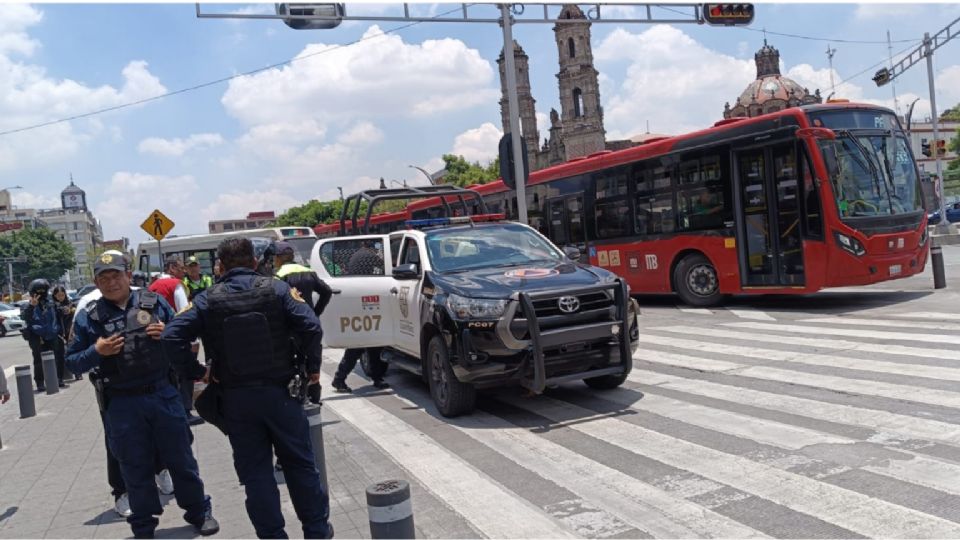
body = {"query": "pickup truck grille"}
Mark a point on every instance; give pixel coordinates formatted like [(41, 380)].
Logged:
[(549, 307)]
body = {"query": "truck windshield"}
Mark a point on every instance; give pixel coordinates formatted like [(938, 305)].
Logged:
[(460, 249), (872, 173)]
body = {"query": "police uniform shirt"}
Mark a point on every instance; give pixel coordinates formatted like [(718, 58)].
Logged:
[(82, 354), (192, 322)]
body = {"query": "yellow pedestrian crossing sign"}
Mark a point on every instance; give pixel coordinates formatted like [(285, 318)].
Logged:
[(157, 225)]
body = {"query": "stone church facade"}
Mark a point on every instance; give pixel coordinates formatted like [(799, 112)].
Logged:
[(577, 130)]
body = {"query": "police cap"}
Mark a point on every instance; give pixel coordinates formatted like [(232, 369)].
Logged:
[(109, 261)]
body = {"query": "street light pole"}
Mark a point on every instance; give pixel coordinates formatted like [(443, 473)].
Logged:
[(506, 20), (425, 173), (936, 129)]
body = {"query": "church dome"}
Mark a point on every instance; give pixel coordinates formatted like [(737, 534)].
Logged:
[(770, 91)]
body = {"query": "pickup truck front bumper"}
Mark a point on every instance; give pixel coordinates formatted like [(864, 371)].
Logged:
[(538, 351)]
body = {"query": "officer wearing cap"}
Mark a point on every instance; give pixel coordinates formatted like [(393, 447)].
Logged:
[(195, 281), (315, 292), (119, 334), (247, 320)]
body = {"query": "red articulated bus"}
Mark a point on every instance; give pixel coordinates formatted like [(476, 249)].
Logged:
[(789, 202)]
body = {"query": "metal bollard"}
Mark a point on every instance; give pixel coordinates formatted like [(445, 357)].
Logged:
[(390, 510), (316, 441), (50, 379), (936, 260), (25, 392)]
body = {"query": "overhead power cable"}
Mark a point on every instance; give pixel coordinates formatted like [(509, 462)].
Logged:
[(220, 80)]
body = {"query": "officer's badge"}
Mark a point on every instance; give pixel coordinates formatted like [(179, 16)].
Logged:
[(296, 295), (143, 317), (106, 258)]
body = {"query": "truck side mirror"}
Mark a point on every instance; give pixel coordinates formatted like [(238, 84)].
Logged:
[(572, 253), (406, 271)]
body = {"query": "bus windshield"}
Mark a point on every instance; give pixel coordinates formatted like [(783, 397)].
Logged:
[(872, 174), (457, 250)]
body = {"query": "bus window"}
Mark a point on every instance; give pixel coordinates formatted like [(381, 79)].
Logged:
[(612, 217), (813, 218), (701, 204)]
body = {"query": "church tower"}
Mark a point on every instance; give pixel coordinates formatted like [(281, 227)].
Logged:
[(582, 115), (528, 112)]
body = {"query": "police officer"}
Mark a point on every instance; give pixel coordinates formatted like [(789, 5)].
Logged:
[(40, 315), (119, 334), (247, 320), (301, 278), (195, 281)]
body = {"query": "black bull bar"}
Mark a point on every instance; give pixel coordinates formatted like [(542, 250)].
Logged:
[(539, 340)]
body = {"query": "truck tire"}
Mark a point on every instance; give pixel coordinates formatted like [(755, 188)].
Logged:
[(606, 382), (451, 396), (372, 368), (3, 331), (696, 282)]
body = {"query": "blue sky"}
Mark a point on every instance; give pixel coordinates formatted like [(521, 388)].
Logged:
[(347, 116)]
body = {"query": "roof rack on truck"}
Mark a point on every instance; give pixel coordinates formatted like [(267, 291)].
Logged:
[(351, 205)]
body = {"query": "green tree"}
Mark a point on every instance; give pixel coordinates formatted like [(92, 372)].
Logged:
[(317, 212), (953, 145), (48, 256), (951, 114), (461, 172)]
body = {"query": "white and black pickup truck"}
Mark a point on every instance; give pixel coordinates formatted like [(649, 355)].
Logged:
[(471, 303)]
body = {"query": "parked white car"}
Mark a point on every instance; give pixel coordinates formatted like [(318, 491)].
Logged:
[(10, 320)]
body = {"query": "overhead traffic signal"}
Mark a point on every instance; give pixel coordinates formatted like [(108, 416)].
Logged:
[(882, 77), (728, 14), (925, 149), (333, 12)]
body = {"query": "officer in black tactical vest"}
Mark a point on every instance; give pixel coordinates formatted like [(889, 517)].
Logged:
[(247, 321), (119, 334)]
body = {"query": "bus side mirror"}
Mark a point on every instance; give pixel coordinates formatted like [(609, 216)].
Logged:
[(816, 133), (572, 253)]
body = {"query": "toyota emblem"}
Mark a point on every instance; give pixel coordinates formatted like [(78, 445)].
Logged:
[(568, 304)]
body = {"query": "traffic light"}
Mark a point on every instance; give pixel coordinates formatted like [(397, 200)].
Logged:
[(728, 14), (507, 164), (925, 148), (882, 77), (941, 148), (334, 11)]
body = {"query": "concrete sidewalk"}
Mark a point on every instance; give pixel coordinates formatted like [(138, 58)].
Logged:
[(53, 479)]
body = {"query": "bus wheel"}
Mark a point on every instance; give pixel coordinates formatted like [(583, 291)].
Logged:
[(696, 281)]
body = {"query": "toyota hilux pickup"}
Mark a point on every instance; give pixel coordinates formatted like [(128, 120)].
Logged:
[(472, 303)]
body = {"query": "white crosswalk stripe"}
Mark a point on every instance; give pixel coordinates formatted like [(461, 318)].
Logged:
[(829, 420)]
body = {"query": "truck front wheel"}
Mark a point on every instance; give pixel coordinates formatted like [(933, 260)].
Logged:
[(451, 396)]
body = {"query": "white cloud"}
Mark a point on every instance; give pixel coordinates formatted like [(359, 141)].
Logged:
[(26, 199), (177, 147), (131, 196), (871, 11), (31, 97), (349, 83), (364, 133), (672, 81), (237, 204), (543, 125), (478, 144), (14, 20)]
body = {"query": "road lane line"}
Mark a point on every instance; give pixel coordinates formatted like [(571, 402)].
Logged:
[(488, 506), (837, 344), (851, 510), (865, 334), (877, 366)]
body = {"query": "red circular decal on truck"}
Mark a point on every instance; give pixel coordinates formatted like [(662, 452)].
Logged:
[(530, 273)]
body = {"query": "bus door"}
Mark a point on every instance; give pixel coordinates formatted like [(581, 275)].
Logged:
[(770, 245), (566, 222)]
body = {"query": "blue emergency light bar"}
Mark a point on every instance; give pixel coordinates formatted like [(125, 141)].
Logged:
[(436, 222)]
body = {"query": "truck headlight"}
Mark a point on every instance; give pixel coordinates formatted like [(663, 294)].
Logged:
[(475, 308)]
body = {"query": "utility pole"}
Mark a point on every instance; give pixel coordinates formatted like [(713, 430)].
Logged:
[(928, 52), (893, 85), (10, 261), (830, 52), (513, 100)]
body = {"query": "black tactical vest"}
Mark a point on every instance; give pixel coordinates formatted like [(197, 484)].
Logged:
[(249, 333), (142, 356)]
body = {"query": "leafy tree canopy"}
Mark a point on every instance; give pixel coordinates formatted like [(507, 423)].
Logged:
[(953, 145), (48, 256), (462, 173), (951, 114)]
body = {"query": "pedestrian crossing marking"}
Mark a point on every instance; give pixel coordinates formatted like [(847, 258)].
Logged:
[(882, 322), (489, 507), (910, 370), (872, 334), (845, 508), (754, 314), (838, 344)]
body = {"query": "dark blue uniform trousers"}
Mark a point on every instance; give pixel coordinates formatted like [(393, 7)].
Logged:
[(141, 427), (262, 420)]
